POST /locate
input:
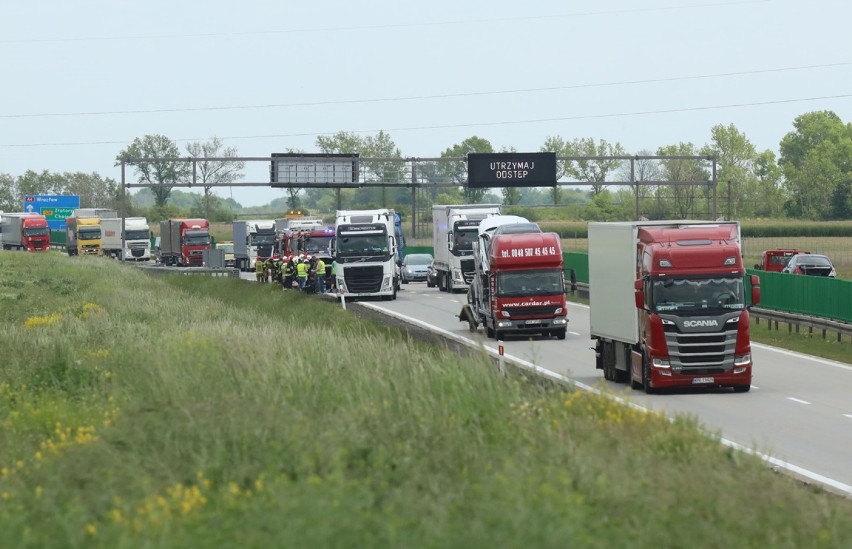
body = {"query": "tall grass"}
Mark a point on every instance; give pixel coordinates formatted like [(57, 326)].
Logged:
[(186, 411)]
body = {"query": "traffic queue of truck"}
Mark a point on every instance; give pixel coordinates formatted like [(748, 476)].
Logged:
[(669, 306)]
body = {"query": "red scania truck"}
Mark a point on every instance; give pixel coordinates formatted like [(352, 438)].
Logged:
[(668, 304), (25, 231), (518, 283)]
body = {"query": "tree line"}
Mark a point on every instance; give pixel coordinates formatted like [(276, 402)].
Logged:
[(811, 178)]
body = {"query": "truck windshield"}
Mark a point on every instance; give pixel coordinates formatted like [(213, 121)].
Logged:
[(263, 239), (673, 294), (520, 283), (362, 244), (197, 238), (137, 235), (36, 231), (463, 239), (89, 234), (314, 244)]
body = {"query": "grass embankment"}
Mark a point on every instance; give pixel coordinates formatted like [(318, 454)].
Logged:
[(196, 412)]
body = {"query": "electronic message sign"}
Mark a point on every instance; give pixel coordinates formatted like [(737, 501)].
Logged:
[(312, 170), (511, 169)]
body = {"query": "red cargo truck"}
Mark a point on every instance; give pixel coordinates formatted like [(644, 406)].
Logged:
[(668, 304), (183, 241), (25, 231)]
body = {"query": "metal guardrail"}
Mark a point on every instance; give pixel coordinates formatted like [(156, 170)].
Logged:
[(796, 321)]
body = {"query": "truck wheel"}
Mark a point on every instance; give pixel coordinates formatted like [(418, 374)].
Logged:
[(742, 388), (560, 334), (449, 284), (489, 331)]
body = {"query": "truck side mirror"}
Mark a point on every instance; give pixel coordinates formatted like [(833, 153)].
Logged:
[(639, 293), (450, 240), (755, 289)]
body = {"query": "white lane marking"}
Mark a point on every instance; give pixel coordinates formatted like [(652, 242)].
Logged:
[(800, 401), (848, 415), (802, 355), (574, 333), (816, 477)]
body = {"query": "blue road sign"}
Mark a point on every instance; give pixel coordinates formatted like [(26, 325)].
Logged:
[(56, 208)]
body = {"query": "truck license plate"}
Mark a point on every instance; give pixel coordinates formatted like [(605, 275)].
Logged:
[(697, 380), (537, 321)]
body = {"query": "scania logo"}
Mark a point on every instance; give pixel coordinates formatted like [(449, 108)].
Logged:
[(699, 323)]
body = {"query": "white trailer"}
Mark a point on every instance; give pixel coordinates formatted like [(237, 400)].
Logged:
[(253, 239), (103, 213), (136, 245), (454, 229), (366, 252)]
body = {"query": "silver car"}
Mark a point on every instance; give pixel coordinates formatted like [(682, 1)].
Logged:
[(414, 267)]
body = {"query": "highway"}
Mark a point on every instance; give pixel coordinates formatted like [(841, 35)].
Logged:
[(798, 415)]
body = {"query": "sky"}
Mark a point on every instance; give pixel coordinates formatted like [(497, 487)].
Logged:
[(81, 80)]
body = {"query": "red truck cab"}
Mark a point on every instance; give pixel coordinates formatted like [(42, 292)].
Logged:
[(776, 260), (194, 239), (691, 296), (526, 285)]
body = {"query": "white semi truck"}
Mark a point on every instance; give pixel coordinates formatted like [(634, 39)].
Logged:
[(137, 239), (253, 239), (454, 230), (366, 252)]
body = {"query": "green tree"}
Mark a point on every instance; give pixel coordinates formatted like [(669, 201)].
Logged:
[(35, 183), (456, 171), (643, 171), (770, 189), (511, 196), (93, 190), (594, 171), (214, 172), (389, 170), (10, 200), (684, 198), (735, 157), (816, 159), (164, 172)]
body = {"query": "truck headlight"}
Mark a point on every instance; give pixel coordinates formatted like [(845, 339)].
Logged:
[(742, 360), (661, 363), (505, 314), (562, 320)]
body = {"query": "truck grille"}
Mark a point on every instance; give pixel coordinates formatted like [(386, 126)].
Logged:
[(700, 353), (363, 280), (468, 271)]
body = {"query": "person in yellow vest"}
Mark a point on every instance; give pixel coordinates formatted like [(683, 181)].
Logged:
[(259, 269), (302, 273), (289, 273), (320, 276)]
